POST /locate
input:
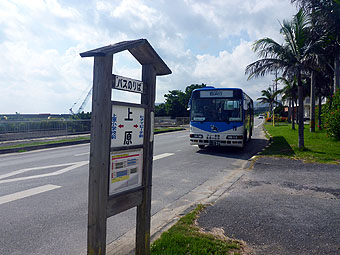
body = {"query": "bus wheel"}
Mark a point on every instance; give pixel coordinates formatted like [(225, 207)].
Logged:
[(201, 147)]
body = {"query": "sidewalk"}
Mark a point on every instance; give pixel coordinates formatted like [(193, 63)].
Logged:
[(281, 207)]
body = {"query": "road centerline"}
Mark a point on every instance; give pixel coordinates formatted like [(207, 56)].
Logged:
[(27, 193)]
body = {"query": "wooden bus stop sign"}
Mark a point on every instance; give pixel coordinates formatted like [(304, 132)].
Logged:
[(121, 150)]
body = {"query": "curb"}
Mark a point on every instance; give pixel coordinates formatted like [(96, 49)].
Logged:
[(270, 142)]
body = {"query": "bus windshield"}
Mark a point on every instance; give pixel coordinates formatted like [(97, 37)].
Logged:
[(216, 109)]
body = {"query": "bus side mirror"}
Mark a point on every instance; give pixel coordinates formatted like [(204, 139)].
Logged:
[(189, 105)]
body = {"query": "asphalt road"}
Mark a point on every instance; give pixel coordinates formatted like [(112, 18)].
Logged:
[(43, 194)]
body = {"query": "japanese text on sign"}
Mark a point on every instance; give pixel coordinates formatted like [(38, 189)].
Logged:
[(127, 126), (127, 84)]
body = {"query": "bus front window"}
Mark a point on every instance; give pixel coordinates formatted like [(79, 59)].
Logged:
[(216, 110)]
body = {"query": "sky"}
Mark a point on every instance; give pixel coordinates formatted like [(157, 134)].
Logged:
[(201, 41)]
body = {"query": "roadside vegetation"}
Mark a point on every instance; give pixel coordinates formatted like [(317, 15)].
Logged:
[(307, 63), (319, 146), (165, 130), (186, 238)]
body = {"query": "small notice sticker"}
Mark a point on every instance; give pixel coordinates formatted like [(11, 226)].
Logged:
[(125, 170)]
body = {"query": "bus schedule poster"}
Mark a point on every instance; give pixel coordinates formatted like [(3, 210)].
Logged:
[(125, 170)]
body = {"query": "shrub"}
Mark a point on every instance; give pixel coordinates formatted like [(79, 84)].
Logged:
[(277, 119), (331, 116)]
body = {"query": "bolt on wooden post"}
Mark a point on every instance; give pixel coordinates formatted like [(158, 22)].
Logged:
[(121, 149)]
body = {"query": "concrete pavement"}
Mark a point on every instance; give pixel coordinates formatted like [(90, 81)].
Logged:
[(281, 206)]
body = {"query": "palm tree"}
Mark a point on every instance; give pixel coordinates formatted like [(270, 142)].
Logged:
[(293, 57), (269, 97), (326, 18), (289, 92)]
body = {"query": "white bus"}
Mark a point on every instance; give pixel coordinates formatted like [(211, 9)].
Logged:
[(220, 117)]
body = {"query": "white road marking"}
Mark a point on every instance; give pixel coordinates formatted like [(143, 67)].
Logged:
[(81, 154), (61, 171), (27, 193), (181, 136), (164, 155)]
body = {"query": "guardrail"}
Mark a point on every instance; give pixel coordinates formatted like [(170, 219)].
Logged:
[(169, 122)]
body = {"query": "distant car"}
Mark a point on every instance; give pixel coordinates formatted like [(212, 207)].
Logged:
[(261, 116)]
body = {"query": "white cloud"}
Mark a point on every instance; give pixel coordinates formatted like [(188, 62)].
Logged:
[(201, 41)]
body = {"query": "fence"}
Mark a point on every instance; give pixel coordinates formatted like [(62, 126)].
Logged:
[(169, 122), (19, 129), (13, 130)]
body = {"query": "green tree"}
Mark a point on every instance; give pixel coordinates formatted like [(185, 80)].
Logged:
[(269, 97), (326, 14), (176, 101), (82, 116), (160, 110), (189, 89), (331, 116)]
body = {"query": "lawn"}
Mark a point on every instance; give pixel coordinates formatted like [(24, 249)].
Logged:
[(318, 146), (186, 238)]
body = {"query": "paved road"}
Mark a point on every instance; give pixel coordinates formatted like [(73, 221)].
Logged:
[(43, 194)]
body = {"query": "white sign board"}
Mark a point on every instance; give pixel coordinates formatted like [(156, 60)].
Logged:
[(216, 93), (127, 84), (125, 170), (127, 126)]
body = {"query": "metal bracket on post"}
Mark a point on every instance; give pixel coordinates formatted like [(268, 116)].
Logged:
[(121, 150)]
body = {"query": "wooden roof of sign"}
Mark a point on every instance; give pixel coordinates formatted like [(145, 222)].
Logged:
[(140, 49)]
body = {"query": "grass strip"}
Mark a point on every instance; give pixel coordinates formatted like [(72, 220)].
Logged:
[(186, 238), (14, 146), (318, 146), (164, 130)]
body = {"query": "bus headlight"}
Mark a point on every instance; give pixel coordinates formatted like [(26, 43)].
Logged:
[(196, 136), (235, 137)]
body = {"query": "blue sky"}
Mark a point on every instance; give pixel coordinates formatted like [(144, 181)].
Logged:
[(201, 41)]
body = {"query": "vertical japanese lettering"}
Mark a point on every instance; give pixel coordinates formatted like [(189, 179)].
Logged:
[(114, 127), (128, 138), (129, 113)]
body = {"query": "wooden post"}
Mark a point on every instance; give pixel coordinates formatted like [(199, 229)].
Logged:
[(99, 155), (144, 210)]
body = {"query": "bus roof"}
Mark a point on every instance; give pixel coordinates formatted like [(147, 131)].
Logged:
[(213, 88)]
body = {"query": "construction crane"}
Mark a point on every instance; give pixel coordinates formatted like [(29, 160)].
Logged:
[(82, 106)]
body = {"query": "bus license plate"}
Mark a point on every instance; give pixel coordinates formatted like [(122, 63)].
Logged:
[(214, 143)]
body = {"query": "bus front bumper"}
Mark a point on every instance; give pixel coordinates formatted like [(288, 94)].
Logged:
[(234, 142)]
